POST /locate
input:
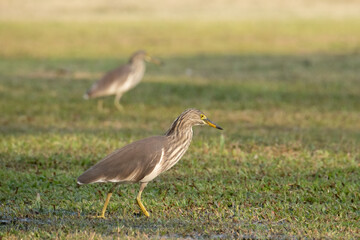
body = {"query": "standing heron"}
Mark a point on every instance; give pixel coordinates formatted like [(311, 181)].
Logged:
[(122, 79), (144, 160)]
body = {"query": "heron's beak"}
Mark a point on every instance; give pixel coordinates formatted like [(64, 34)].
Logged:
[(212, 124), (153, 60)]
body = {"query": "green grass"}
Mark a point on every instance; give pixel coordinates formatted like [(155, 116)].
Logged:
[(183, 38), (286, 165)]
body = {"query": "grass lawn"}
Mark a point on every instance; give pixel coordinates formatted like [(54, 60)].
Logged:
[(287, 94)]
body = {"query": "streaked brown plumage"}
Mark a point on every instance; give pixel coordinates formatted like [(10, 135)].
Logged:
[(143, 160), (121, 79)]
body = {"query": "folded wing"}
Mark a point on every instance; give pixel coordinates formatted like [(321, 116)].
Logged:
[(128, 164)]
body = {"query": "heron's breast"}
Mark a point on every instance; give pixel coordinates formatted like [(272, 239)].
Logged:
[(174, 154)]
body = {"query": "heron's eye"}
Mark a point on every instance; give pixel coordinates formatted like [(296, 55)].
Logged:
[(202, 116)]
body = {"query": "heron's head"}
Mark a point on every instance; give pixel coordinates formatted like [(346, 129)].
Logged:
[(187, 119), (141, 55), (196, 117)]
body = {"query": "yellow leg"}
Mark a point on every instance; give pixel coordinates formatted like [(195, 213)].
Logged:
[(138, 199), (107, 202), (105, 205), (100, 105), (117, 101)]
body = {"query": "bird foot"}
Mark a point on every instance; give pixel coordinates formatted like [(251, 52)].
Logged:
[(119, 107), (101, 107), (104, 110), (96, 217)]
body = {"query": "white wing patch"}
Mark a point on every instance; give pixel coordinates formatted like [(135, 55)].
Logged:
[(127, 84), (156, 171), (131, 177)]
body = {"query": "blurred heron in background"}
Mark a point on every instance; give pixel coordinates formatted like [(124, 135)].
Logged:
[(122, 79)]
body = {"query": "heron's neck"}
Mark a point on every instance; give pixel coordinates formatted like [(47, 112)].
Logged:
[(180, 128), (179, 137), (138, 70), (137, 63)]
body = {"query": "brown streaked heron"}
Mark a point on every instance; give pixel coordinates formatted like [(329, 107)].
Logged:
[(144, 160), (122, 79)]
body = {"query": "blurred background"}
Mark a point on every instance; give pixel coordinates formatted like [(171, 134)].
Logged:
[(276, 66), (281, 77)]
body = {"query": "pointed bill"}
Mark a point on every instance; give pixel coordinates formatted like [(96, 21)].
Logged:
[(212, 124), (153, 60)]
